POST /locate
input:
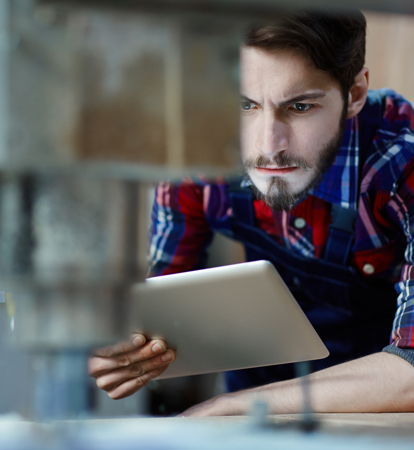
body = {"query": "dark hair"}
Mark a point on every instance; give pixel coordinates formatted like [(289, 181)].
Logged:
[(334, 41)]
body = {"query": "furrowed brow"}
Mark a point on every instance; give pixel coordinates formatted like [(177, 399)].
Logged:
[(247, 99), (302, 97)]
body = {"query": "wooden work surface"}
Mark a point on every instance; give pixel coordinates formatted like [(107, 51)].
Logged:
[(394, 424), (334, 431), (386, 424)]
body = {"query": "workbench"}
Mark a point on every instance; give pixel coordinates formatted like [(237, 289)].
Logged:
[(334, 431)]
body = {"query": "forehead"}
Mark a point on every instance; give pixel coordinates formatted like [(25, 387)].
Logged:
[(281, 74)]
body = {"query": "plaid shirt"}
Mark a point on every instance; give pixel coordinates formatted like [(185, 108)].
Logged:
[(186, 214)]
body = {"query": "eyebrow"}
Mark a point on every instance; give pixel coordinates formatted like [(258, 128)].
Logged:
[(298, 98)]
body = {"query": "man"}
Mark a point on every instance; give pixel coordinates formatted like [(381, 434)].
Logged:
[(328, 199)]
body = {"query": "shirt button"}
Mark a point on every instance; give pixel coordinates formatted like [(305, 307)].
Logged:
[(368, 269), (299, 223)]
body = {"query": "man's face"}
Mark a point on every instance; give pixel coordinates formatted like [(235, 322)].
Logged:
[(292, 120)]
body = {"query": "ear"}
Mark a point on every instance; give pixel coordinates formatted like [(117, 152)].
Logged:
[(358, 93)]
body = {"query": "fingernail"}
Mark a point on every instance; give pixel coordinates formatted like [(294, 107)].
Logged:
[(156, 348), (138, 341), (167, 356)]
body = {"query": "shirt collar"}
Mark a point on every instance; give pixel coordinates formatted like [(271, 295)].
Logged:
[(340, 182)]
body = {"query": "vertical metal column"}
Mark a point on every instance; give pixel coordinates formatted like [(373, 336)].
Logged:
[(61, 387), (4, 67)]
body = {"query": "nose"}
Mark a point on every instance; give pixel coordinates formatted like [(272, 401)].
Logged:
[(272, 135)]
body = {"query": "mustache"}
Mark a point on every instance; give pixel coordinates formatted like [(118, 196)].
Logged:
[(280, 160)]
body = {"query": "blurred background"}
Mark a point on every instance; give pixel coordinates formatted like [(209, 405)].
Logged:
[(104, 136), (388, 54)]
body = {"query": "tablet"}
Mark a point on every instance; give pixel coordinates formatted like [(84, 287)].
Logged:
[(224, 318)]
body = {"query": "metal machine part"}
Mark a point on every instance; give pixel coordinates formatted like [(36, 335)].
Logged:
[(259, 9), (68, 249), (68, 252), (96, 101)]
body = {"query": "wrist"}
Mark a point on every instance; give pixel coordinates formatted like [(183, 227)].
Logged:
[(241, 402)]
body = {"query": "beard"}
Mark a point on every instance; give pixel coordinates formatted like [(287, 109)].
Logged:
[(278, 194)]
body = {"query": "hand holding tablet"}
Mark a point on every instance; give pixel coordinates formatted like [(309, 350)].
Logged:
[(212, 320), (124, 368)]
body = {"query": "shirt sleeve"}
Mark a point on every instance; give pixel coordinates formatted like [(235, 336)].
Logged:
[(401, 209), (404, 353), (180, 233), (403, 325), (388, 185)]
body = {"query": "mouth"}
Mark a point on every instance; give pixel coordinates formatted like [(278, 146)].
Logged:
[(276, 170)]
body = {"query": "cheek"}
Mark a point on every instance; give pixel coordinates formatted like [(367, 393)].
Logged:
[(312, 137), (247, 142), (304, 141)]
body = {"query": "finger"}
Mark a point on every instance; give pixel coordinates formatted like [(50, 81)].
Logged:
[(98, 365), (111, 380), (136, 340), (133, 385)]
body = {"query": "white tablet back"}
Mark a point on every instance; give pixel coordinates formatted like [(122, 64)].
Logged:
[(225, 318)]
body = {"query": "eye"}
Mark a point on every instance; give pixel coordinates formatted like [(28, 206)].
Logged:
[(245, 105), (302, 107)]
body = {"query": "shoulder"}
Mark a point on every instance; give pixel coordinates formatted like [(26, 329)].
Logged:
[(193, 194), (390, 153), (397, 110), (389, 110)]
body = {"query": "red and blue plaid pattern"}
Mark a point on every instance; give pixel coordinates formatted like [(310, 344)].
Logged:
[(379, 184)]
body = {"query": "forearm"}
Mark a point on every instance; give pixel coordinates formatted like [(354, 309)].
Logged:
[(376, 383)]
